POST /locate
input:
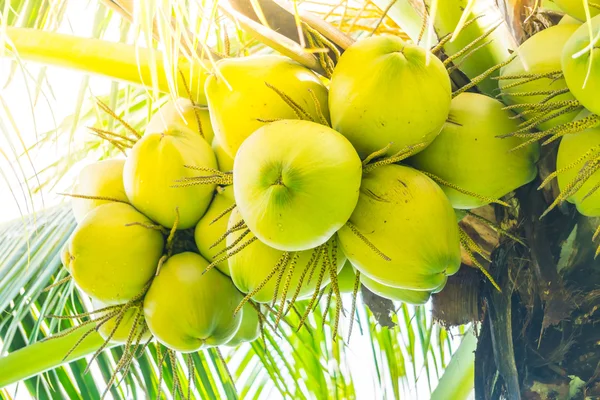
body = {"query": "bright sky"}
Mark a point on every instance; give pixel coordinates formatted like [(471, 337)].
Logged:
[(20, 128)]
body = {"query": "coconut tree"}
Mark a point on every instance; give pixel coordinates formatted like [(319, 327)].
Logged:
[(487, 114)]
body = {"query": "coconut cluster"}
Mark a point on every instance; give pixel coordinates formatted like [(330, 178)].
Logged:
[(554, 82), (290, 185)]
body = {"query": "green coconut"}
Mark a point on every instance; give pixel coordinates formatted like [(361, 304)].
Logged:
[(583, 81), (383, 91), (242, 96), (572, 147), (575, 9), (224, 160), (296, 183), (392, 293), (65, 255), (154, 172), (540, 54), (123, 332), (567, 19), (183, 116), (249, 329), (187, 310), (100, 179), (112, 257), (468, 152), (346, 278), (207, 232), (254, 263), (410, 222)]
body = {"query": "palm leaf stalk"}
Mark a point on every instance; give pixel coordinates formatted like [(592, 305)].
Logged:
[(119, 61)]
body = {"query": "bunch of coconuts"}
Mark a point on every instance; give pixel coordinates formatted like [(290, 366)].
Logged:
[(290, 183), (554, 83)]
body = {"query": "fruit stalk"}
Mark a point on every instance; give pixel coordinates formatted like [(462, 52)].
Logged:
[(49, 354), (119, 61)]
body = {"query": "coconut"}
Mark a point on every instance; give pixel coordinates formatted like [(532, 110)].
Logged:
[(181, 115), (540, 54), (224, 160), (256, 261), (207, 232), (100, 179), (468, 152), (571, 148), (65, 256), (583, 84), (249, 329), (567, 19), (152, 171), (243, 96), (392, 293), (346, 278), (122, 334), (296, 183), (187, 310), (384, 91), (575, 9), (113, 257), (410, 223)]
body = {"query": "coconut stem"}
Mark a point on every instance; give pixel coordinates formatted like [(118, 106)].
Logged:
[(588, 169), (191, 99), (472, 44), (497, 228), (366, 241), (280, 263), (376, 154), (110, 112), (228, 255), (447, 37), (466, 241), (476, 80), (441, 181), (286, 288), (57, 283), (399, 156), (284, 265), (298, 110), (223, 213), (234, 228), (235, 242), (318, 107), (592, 151), (353, 308), (311, 262), (317, 288)]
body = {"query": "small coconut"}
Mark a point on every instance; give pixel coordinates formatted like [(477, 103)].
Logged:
[(296, 183), (112, 256), (250, 266), (243, 96), (187, 310), (392, 293), (181, 115), (539, 55), (102, 179), (155, 176), (403, 232), (383, 90), (582, 74), (469, 153), (249, 329)]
